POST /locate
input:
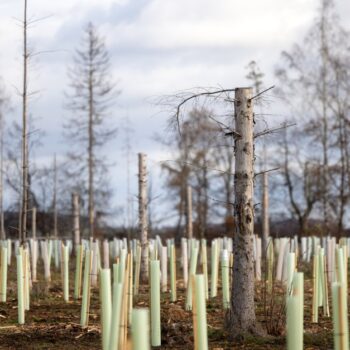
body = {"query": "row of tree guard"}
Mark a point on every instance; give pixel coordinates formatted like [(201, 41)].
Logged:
[(119, 282)]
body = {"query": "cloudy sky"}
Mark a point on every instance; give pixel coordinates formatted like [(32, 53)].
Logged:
[(157, 47)]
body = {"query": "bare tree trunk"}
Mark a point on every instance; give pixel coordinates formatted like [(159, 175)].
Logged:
[(265, 215), (55, 198), (24, 206), (34, 223), (91, 208), (242, 319), (325, 129), (76, 224), (189, 213), (143, 222)]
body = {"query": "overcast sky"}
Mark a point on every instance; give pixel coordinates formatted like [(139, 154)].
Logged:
[(157, 47)]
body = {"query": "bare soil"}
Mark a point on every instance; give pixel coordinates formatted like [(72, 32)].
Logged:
[(53, 324)]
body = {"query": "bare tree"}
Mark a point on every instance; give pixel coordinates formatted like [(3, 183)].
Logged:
[(302, 180), (309, 77), (92, 93), (24, 200), (256, 77), (242, 318)]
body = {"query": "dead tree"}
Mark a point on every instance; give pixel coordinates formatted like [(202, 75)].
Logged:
[(242, 315), (92, 94), (143, 216), (24, 194)]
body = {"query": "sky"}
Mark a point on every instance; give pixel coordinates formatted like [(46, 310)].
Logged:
[(157, 47)]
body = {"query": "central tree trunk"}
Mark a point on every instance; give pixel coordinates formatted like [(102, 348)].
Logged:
[(143, 222), (242, 319)]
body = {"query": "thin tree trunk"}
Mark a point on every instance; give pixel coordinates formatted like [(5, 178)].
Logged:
[(265, 215), (143, 217), (242, 318), (24, 206), (76, 224), (189, 213), (324, 138), (91, 208), (34, 223)]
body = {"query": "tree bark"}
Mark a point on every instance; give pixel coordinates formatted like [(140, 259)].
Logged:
[(76, 224), (143, 217), (91, 143), (242, 319)]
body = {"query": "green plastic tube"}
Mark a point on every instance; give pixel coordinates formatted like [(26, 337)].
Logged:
[(66, 274), (173, 295), (106, 302), (205, 266), (340, 320), (270, 262), (130, 286), (20, 288), (298, 290), (140, 330), (137, 270), (320, 278), (315, 286), (155, 304), (323, 295), (214, 269), (122, 265), (199, 314), (290, 271), (85, 305), (78, 271), (294, 326), (225, 269), (26, 273), (116, 313), (193, 267), (340, 265), (3, 274), (116, 273)]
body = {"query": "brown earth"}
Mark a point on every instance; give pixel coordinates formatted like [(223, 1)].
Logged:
[(53, 324)]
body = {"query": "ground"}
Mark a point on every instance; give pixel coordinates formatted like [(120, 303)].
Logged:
[(53, 324)]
